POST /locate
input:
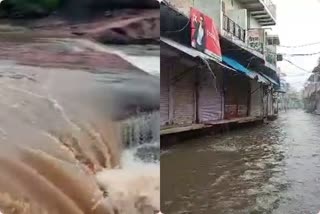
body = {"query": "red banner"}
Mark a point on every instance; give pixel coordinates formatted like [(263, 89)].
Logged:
[(204, 34)]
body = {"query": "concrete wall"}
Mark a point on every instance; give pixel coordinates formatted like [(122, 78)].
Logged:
[(211, 8), (232, 5), (252, 22), (235, 11), (272, 48), (182, 5), (239, 16)]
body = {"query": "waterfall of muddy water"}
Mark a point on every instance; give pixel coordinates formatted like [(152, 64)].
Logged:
[(61, 151), (135, 187), (141, 135)]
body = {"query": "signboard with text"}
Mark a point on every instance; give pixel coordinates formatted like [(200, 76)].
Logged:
[(204, 34), (256, 39)]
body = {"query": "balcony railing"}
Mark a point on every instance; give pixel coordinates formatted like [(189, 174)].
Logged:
[(231, 27)]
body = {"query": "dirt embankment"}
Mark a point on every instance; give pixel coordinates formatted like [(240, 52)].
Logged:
[(63, 54), (36, 42), (127, 26)]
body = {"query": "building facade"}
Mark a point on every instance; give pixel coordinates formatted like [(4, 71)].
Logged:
[(233, 78), (311, 94)]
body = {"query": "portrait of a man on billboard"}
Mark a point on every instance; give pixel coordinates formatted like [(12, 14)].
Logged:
[(204, 34), (199, 34)]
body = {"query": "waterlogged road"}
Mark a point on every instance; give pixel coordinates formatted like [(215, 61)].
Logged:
[(272, 168)]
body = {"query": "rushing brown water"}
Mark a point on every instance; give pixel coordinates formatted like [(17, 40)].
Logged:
[(61, 151), (272, 168)]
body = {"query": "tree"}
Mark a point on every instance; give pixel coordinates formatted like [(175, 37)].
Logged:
[(317, 68), (28, 8), (32, 8)]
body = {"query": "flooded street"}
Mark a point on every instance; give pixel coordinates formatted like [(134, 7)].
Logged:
[(272, 168)]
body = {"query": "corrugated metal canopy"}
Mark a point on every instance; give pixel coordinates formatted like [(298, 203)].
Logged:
[(188, 50), (261, 79), (270, 79), (241, 69), (228, 63)]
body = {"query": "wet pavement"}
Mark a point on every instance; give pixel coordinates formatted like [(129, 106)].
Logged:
[(272, 168)]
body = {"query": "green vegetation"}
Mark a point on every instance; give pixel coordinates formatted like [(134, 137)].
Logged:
[(26, 8), (41, 8)]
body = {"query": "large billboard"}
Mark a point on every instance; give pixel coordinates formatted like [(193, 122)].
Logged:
[(204, 34)]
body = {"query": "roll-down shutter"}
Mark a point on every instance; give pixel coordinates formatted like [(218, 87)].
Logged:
[(184, 97), (164, 97), (210, 98), (256, 107), (237, 96)]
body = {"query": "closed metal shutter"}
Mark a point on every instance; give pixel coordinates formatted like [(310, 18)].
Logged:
[(164, 96), (270, 105), (237, 96), (231, 103), (317, 101), (256, 104), (265, 104), (243, 96), (210, 98), (184, 97)]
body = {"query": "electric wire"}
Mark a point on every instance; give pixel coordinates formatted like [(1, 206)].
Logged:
[(297, 66), (299, 46)]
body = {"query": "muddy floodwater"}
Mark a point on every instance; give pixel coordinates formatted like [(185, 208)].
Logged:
[(273, 168), (75, 141)]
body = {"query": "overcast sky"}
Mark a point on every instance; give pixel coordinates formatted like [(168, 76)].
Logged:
[(298, 24)]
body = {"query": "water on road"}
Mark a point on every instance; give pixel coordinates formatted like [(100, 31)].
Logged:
[(273, 168)]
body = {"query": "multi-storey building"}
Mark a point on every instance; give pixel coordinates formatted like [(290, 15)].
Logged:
[(239, 83)]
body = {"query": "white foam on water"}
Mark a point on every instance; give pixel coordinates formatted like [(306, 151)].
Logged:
[(130, 160), (134, 187)]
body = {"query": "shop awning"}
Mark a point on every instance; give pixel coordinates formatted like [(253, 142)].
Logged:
[(190, 51), (262, 79), (241, 69), (227, 62), (270, 79), (238, 67)]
